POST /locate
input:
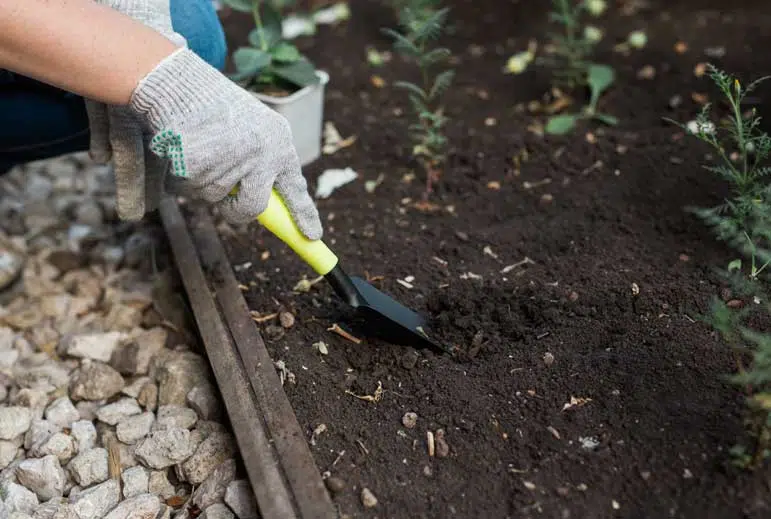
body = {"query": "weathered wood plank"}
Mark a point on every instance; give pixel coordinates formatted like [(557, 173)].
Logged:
[(281, 469)]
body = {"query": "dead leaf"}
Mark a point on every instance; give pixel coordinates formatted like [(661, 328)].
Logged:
[(369, 398), (576, 402)]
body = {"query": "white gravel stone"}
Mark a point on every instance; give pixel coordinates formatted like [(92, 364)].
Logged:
[(173, 416), (134, 357), (89, 467), (61, 445), (14, 421), (38, 433), (88, 409), (240, 498), (95, 381), (97, 501), (136, 481), (62, 412), (217, 511), (95, 346), (214, 450), (159, 484), (131, 429), (165, 448), (48, 509), (135, 386), (84, 432), (213, 489), (17, 498), (44, 476), (204, 401), (8, 452), (113, 413), (137, 507)]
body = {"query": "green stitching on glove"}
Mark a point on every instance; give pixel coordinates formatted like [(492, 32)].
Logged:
[(168, 144)]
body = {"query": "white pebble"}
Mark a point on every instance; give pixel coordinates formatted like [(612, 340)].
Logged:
[(89, 467), (175, 416), (112, 413), (131, 429), (135, 481), (240, 498), (62, 412), (14, 421), (84, 433), (44, 476)]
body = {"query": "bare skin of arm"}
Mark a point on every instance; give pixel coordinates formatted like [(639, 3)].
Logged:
[(79, 46)]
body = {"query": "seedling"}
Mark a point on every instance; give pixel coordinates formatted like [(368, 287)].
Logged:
[(571, 63), (599, 79), (743, 221), (419, 31), (269, 64)]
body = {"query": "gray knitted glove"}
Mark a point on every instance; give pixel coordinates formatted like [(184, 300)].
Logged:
[(219, 136), (117, 134)]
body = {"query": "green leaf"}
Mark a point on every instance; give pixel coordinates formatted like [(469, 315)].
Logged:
[(599, 78), (285, 53), (300, 73), (403, 44), (441, 83), (244, 6), (256, 37), (411, 87), (271, 19), (250, 61), (434, 56), (561, 124), (735, 265), (605, 118)]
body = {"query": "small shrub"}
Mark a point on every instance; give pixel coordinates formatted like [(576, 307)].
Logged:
[(420, 28), (269, 64), (743, 221)]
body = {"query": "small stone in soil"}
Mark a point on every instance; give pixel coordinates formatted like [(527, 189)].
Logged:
[(133, 428), (164, 448), (442, 449), (334, 484), (113, 413), (96, 381), (286, 319), (44, 476), (142, 505), (217, 511), (175, 416), (84, 433), (368, 499), (96, 501), (409, 420), (62, 412)]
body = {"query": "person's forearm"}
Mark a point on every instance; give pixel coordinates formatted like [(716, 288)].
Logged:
[(79, 46)]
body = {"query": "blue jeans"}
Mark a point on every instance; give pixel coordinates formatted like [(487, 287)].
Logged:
[(38, 121)]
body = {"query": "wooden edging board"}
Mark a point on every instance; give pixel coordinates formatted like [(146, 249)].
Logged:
[(283, 475)]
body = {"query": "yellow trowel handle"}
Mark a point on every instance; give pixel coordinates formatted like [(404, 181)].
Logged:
[(277, 219)]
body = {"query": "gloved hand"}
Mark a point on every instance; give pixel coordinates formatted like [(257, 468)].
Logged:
[(219, 136), (117, 134)]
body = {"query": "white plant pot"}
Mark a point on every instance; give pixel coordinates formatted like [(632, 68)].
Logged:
[(305, 112)]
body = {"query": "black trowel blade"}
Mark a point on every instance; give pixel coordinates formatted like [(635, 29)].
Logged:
[(390, 320)]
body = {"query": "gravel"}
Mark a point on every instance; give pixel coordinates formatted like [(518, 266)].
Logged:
[(106, 410)]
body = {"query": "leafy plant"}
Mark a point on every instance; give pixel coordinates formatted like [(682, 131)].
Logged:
[(599, 79), (743, 221), (572, 65), (744, 165), (420, 28), (269, 63)]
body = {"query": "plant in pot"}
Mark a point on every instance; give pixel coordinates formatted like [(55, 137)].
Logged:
[(279, 75)]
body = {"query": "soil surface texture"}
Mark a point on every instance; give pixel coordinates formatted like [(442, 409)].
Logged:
[(571, 395)]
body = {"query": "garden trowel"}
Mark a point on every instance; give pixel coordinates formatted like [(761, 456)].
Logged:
[(378, 314)]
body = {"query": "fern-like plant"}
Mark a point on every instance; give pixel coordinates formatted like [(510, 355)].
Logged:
[(742, 147), (421, 27), (743, 222)]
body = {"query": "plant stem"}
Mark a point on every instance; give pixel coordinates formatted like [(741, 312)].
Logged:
[(258, 23)]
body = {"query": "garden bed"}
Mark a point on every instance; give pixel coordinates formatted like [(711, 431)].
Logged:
[(652, 437)]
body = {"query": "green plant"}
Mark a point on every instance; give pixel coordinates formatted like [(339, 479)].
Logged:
[(269, 63), (743, 221), (599, 78), (420, 30), (571, 62), (743, 159)]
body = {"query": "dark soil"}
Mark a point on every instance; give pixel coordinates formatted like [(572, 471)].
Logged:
[(653, 439)]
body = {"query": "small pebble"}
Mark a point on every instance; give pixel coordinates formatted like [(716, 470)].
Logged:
[(286, 319), (409, 420), (334, 484), (368, 499)]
